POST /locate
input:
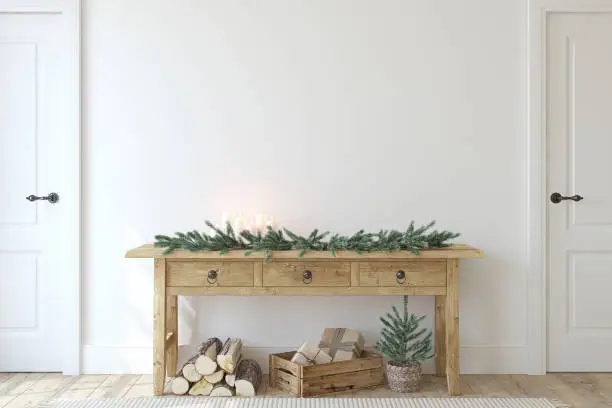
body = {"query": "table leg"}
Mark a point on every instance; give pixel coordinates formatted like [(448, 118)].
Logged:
[(452, 327), (159, 327), (440, 336), (172, 328)]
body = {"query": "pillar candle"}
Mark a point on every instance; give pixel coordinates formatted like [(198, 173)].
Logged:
[(259, 222), (225, 218)]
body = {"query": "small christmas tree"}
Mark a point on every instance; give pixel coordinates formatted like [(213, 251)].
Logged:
[(401, 339)]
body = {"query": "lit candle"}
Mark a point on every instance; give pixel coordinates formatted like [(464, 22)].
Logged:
[(225, 218), (270, 222), (259, 222), (238, 224)]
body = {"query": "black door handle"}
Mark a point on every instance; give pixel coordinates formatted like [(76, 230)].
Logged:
[(556, 198), (52, 198)]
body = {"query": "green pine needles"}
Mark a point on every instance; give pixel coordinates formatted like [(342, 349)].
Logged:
[(402, 341), (413, 240)]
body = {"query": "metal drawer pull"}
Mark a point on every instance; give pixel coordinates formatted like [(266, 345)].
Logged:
[(307, 277), (212, 276), (400, 277)]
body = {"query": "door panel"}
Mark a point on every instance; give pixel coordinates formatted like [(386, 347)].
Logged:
[(589, 283), (18, 294), (580, 233), (18, 136), (590, 120), (35, 154)]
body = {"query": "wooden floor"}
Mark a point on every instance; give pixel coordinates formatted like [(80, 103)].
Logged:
[(575, 390)]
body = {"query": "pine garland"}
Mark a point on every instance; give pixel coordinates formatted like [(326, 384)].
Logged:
[(413, 240), (401, 339)]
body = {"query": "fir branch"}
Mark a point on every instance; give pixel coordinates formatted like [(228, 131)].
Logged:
[(413, 240)]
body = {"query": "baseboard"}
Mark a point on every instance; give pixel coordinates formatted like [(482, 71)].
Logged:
[(138, 360)]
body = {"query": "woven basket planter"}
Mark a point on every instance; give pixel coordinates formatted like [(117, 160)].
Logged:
[(404, 378)]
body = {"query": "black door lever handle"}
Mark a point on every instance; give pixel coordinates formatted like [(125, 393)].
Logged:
[(556, 198), (52, 198)]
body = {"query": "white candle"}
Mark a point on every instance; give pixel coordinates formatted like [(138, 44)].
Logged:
[(237, 224), (259, 222), (270, 222), (225, 218)]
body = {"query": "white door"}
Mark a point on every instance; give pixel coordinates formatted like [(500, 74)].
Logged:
[(38, 124), (580, 162)]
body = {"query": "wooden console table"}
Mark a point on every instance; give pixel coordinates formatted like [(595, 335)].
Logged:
[(432, 273)]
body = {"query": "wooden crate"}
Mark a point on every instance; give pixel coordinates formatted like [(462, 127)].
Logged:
[(325, 379)]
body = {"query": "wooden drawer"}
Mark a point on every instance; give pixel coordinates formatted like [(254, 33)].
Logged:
[(295, 274), (190, 273), (417, 273)]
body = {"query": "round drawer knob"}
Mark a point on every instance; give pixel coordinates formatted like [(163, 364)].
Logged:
[(212, 276), (400, 276), (307, 277)]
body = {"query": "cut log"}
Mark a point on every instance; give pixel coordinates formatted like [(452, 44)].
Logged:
[(248, 378), (216, 377), (230, 379), (230, 355), (189, 371), (179, 385), (233, 378), (202, 387), (222, 390), (206, 363)]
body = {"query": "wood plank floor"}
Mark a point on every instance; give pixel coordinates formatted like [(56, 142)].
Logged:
[(576, 390)]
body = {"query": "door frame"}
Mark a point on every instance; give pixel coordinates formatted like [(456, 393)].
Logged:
[(539, 12), (71, 307)]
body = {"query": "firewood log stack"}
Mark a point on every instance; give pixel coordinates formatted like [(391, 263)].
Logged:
[(218, 370)]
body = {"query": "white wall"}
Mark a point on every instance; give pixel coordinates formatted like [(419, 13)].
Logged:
[(339, 114)]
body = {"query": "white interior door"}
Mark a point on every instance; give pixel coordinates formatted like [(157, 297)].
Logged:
[(580, 162), (38, 124)]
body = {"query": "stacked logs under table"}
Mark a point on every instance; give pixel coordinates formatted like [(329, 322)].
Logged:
[(434, 272)]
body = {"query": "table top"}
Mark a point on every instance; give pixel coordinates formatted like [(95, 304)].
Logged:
[(458, 251)]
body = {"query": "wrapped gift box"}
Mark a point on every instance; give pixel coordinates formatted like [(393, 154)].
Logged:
[(309, 354), (342, 344)]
